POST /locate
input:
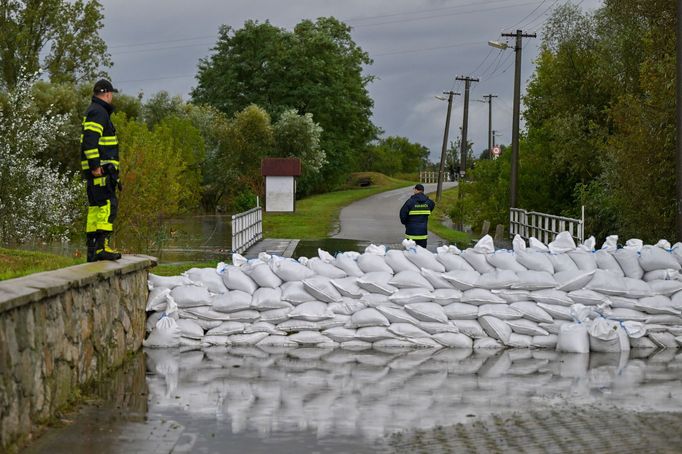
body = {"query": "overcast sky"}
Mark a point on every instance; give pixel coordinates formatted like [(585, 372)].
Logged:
[(418, 48)]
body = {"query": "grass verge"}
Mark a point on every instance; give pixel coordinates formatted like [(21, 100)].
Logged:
[(174, 269), (446, 204), (17, 263), (316, 216)]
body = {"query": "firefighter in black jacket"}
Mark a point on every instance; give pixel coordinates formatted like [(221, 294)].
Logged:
[(100, 165), (415, 216)]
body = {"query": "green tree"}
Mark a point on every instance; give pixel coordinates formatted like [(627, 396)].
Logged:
[(57, 35), (395, 154)]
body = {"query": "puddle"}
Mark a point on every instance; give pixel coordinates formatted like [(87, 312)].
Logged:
[(308, 248)]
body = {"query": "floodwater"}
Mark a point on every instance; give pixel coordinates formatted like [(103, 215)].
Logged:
[(200, 237), (308, 248), (246, 399)]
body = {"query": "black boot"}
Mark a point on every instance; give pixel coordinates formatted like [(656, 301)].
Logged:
[(91, 243), (104, 252)]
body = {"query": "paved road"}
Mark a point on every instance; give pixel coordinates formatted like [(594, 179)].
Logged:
[(376, 219)]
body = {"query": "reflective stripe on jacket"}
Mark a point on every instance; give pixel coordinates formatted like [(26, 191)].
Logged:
[(415, 216), (99, 144)]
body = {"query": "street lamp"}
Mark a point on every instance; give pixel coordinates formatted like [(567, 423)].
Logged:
[(498, 44)]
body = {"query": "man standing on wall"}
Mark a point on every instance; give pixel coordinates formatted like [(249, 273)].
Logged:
[(99, 163), (415, 216)]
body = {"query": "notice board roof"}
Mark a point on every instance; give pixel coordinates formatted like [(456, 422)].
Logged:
[(280, 167)]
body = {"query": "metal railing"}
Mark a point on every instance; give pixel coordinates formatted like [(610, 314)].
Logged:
[(247, 229), (544, 226), (432, 177)]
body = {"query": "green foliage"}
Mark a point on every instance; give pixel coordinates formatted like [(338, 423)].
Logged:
[(394, 155), (60, 36), (316, 69)]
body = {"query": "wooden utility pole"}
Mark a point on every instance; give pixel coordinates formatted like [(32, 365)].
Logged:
[(678, 166), (465, 125), (516, 114), (439, 189), (490, 124)]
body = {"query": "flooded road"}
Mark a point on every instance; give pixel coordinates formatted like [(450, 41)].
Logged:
[(231, 399)]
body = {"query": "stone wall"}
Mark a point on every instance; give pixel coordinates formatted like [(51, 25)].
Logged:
[(62, 329)]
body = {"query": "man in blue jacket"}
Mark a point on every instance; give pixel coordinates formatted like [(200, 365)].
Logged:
[(415, 216)]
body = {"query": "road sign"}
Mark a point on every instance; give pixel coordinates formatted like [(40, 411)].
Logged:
[(496, 151)]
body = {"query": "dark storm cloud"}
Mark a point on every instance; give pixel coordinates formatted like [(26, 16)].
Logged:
[(418, 48)]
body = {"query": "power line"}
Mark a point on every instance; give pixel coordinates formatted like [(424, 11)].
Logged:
[(528, 15), (381, 16)]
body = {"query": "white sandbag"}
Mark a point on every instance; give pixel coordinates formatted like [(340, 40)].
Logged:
[(479, 296), (588, 297), (462, 279), (534, 280), (368, 317), (512, 296), (263, 327), (554, 327), (504, 260), (676, 251), (226, 329), (170, 282), (247, 339), (410, 279), (436, 279), (423, 258), (166, 334), (537, 245), (661, 275), (398, 262), (266, 298), (501, 311), (235, 279), (356, 345), (634, 330), (477, 260), (394, 315), (445, 296), (155, 317), (548, 341), (607, 283), (321, 288), (376, 300), (295, 293), (377, 282), (246, 316), (338, 320), (664, 319), (276, 341), (520, 341), (215, 340), (190, 296), (311, 311), (373, 334), (425, 342), (454, 340), (654, 258), (562, 262), (621, 301), (628, 259), (487, 343), (637, 288), (348, 287), (573, 280), (261, 274), (369, 263), (643, 343), (535, 260), (427, 312), (518, 243), (461, 311), (573, 337), (658, 304), (665, 287), (676, 301), (437, 328), (607, 336), (348, 306), (610, 244), (584, 260), (190, 329), (606, 262), (626, 314), (407, 330), (563, 242), (294, 325), (233, 301), (679, 340), (496, 328), (411, 295), (497, 279), (531, 311), (275, 316), (527, 327), (289, 270), (663, 339), (471, 328), (207, 324), (340, 334), (453, 262), (309, 338), (556, 312), (207, 277), (485, 245), (157, 299), (325, 269), (347, 262)]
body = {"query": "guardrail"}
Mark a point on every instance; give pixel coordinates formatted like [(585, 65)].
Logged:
[(544, 226), (247, 229)]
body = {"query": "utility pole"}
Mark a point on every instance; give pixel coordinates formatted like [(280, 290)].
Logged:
[(679, 120), (490, 122), (439, 189), (465, 124), (516, 113)]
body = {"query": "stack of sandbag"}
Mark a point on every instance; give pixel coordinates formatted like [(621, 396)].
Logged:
[(573, 298)]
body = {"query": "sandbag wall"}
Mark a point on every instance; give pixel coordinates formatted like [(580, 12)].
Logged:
[(561, 297)]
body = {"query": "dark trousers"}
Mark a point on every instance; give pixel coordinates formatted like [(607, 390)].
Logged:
[(421, 243)]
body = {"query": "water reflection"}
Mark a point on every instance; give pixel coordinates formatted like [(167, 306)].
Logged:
[(368, 395), (201, 237)]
